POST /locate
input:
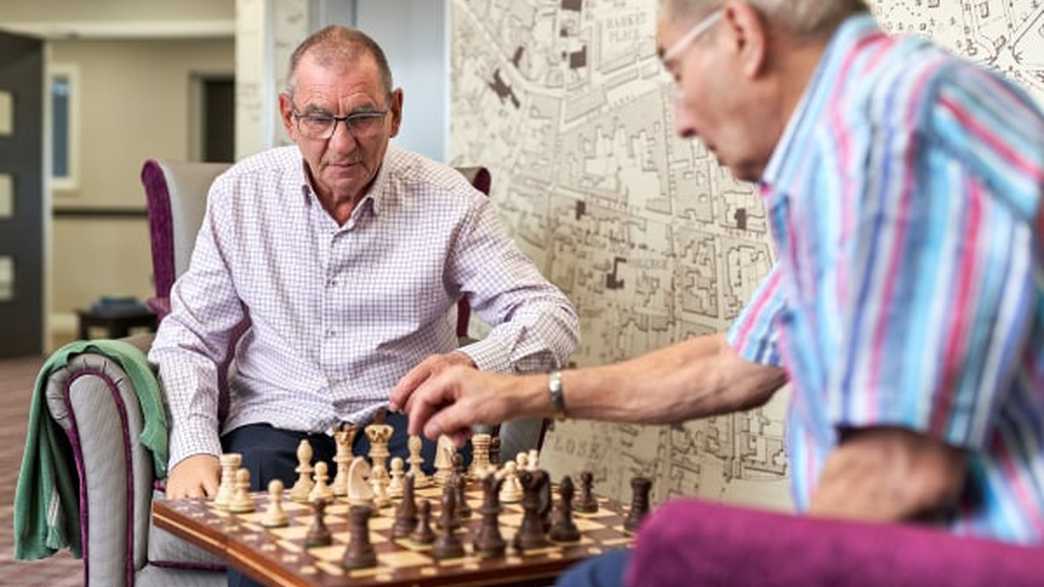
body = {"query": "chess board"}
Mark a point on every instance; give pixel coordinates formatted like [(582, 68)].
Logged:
[(277, 556)]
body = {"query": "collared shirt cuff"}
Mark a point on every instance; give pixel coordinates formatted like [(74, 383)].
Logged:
[(193, 438), (489, 355)]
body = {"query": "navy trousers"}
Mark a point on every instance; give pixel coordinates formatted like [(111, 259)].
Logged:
[(606, 570), (270, 453)]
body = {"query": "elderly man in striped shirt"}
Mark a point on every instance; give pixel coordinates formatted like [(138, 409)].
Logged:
[(342, 257), (903, 186)]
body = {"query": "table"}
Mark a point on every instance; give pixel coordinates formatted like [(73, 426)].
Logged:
[(116, 325)]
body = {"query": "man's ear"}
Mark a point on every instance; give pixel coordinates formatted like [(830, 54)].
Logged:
[(395, 108), (286, 113), (747, 33)]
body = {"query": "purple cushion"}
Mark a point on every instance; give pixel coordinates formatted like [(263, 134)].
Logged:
[(690, 542)]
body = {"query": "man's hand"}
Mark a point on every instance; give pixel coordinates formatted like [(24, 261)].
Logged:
[(196, 476), (889, 475), (428, 368), (458, 398)]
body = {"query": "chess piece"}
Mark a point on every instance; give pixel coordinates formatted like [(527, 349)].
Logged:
[(564, 529), (522, 461), (488, 542), (275, 517), (230, 463), (460, 485), (320, 490), (447, 544), (534, 459), (420, 478), (423, 534), (444, 452), (640, 487), (587, 503), (360, 553), (378, 483), (318, 534), (343, 437), (299, 492), (406, 513), (241, 502), (449, 487), (494, 453), (511, 492), (480, 465), (359, 491), (530, 534), (397, 473), (379, 434)]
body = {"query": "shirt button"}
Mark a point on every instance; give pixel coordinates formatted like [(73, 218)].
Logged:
[(331, 283), (331, 333)]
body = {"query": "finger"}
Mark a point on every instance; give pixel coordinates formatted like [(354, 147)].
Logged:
[(453, 421), (210, 486), (400, 395), (433, 395), (195, 490)]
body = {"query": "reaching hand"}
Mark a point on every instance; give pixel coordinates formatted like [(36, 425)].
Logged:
[(196, 476), (427, 369), (458, 398)]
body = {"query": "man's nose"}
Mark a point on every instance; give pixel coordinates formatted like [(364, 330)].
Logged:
[(684, 122), (342, 140)]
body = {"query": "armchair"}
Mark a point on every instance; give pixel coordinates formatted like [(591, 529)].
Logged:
[(93, 401)]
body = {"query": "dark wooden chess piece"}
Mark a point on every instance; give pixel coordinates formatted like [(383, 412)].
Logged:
[(318, 534), (423, 534), (360, 553), (640, 487), (380, 416), (447, 544), (564, 528), (494, 452), (530, 534), (406, 513), (546, 503), (460, 483), (454, 521), (587, 503), (489, 543)]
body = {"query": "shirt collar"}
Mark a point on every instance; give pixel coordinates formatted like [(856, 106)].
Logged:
[(376, 194), (803, 121)]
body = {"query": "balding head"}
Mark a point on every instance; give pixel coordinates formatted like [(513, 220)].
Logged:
[(338, 46), (801, 18)]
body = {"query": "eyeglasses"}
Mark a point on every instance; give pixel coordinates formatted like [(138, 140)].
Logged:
[(323, 126), (679, 46)]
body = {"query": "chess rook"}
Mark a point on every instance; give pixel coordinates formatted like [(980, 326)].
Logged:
[(563, 528), (640, 487), (360, 553)]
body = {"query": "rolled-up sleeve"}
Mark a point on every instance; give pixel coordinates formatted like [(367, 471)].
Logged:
[(755, 333)]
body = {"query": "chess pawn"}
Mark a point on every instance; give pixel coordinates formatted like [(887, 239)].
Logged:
[(275, 517), (230, 463), (460, 485), (511, 492), (420, 478), (534, 460), (640, 487), (423, 534), (564, 529), (522, 462), (343, 437), (318, 534), (378, 482), (241, 502), (360, 553), (395, 485), (447, 544), (444, 452), (299, 492), (320, 490), (587, 502)]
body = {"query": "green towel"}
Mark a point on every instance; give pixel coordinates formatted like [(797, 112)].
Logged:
[(46, 508)]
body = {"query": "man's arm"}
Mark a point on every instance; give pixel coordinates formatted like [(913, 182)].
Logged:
[(696, 378), (192, 341)]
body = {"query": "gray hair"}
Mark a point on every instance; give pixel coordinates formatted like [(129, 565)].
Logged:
[(339, 44), (800, 17)]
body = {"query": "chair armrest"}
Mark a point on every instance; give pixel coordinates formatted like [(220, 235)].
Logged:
[(93, 401), (689, 542)]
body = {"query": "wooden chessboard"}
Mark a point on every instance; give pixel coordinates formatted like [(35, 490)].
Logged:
[(277, 556)]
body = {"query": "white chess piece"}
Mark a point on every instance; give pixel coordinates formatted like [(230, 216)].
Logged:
[(420, 478), (230, 463), (242, 502), (397, 473), (480, 465), (344, 436), (534, 460), (320, 489), (511, 490), (275, 517), (379, 434), (522, 462), (359, 491), (299, 492), (444, 451)]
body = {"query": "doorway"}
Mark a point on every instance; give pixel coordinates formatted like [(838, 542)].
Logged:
[(215, 118)]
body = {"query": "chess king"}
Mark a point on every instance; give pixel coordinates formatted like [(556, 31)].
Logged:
[(903, 186), (336, 262)]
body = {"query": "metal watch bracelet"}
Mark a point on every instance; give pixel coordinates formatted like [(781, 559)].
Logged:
[(554, 389)]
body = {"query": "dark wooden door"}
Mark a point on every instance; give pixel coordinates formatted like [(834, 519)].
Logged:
[(21, 196)]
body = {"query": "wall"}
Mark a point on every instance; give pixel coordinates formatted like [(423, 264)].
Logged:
[(50, 11), (135, 103), (568, 105)]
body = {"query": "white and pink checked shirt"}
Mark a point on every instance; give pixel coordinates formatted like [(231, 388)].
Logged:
[(338, 314)]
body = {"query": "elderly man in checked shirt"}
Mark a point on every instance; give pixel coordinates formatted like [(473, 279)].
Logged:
[(903, 187), (343, 256)]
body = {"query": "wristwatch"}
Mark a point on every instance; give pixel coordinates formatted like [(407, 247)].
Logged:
[(554, 389)]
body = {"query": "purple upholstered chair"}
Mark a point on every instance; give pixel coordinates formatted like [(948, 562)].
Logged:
[(93, 402)]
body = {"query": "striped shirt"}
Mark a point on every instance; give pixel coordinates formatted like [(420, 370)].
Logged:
[(905, 205), (338, 314)]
